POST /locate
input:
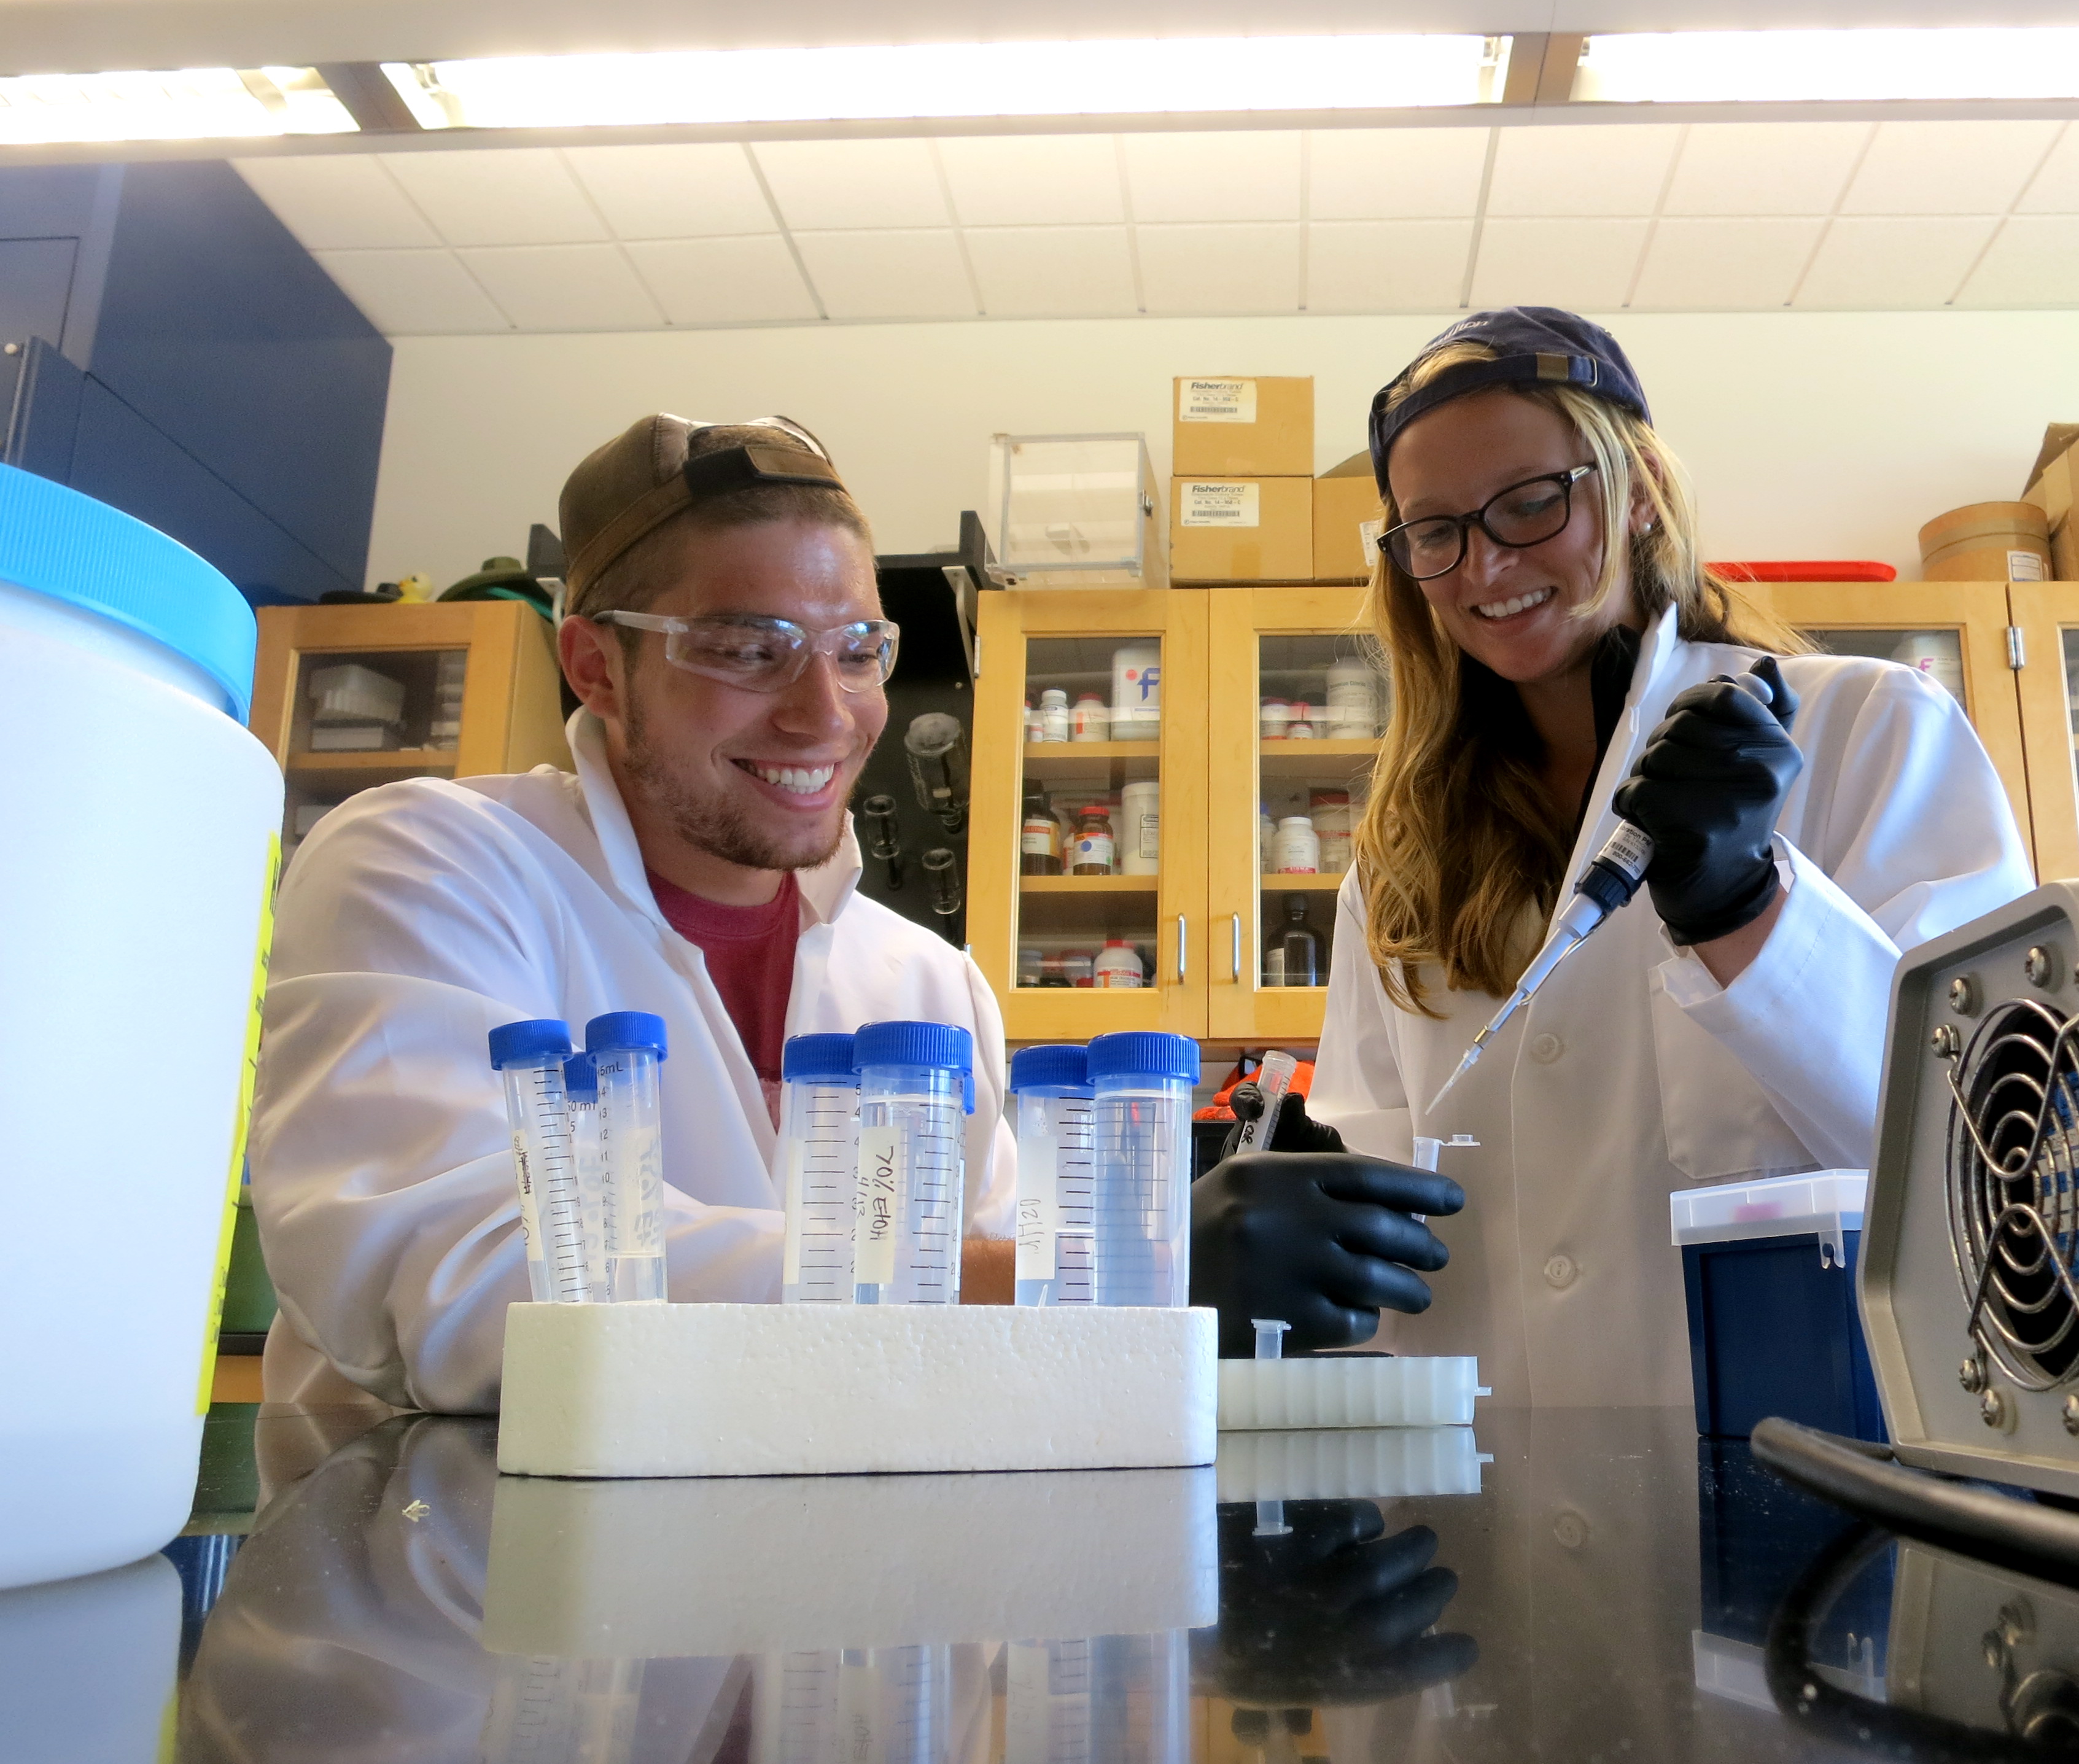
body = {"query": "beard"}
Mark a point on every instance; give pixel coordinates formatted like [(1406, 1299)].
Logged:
[(721, 828)]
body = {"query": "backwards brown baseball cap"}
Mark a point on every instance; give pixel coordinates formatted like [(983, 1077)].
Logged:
[(637, 481)]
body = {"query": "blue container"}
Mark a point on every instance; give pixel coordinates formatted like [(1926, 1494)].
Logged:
[(1768, 1269)]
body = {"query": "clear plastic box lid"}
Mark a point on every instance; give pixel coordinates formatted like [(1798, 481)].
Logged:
[(1069, 502), (1824, 1202)]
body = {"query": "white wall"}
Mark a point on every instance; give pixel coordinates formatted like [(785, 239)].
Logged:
[(1810, 435)]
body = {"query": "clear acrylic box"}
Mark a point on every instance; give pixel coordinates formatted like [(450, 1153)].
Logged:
[(1075, 511)]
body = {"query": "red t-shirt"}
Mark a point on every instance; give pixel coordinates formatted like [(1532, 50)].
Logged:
[(750, 952)]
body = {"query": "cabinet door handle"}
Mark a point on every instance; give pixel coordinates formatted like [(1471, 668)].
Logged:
[(1237, 949), (1183, 948)]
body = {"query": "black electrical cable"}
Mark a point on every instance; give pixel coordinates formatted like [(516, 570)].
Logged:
[(1859, 1723), (2007, 1530)]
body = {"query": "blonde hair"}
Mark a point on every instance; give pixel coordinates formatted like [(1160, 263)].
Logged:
[(1458, 843)]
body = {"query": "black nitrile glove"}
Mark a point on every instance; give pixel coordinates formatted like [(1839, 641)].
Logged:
[(1320, 1239), (1295, 1130), (1335, 1611), (1708, 788)]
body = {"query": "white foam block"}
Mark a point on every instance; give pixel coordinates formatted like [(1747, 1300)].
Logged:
[(1349, 1390), (1349, 1464), (820, 1390), (774, 1564)]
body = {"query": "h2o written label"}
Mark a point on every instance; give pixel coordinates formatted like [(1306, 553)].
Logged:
[(879, 1203), (1216, 401), (1218, 505)]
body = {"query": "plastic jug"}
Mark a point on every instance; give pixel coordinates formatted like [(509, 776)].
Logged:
[(136, 873)]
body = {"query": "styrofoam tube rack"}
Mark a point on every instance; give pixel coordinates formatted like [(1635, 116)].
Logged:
[(1349, 1390), (1324, 1464), (764, 1564), (638, 1390)]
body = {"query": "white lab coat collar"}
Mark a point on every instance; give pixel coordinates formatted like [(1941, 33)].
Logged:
[(825, 890)]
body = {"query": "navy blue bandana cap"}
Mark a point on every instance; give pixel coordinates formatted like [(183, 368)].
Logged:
[(1532, 346)]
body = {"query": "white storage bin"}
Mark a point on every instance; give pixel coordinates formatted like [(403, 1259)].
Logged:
[(349, 693), (142, 826)]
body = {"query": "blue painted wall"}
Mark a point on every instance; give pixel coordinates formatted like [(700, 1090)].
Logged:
[(200, 371)]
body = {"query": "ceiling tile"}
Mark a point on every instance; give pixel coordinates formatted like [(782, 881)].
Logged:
[(677, 192), (1032, 180), (498, 196), (825, 184), (1597, 169), (1385, 266), (1395, 173), (895, 274), (1053, 272), (2055, 190), (1241, 175), (1764, 168), (414, 293), (1586, 264), (1946, 168), (337, 201), (565, 287), (2034, 262), (742, 281), (1724, 265), (1872, 264), (1219, 269)]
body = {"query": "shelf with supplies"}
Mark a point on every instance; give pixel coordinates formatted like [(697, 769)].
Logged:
[(348, 697), (1210, 953)]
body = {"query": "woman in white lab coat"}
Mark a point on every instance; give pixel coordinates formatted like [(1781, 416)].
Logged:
[(1553, 643)]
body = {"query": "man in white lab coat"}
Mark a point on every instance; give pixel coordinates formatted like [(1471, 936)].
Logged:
[(725, 637)]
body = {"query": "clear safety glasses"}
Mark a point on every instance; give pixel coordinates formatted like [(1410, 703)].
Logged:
[(766, 655), (1524, 515)]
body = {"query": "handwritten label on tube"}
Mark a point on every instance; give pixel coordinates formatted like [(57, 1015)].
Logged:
[(880, 1203)]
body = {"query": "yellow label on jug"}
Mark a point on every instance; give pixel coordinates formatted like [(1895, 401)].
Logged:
[(248, 1071)]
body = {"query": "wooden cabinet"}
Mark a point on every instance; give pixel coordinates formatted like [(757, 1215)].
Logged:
[(510, 717), (2046, 618), (1207, 917)]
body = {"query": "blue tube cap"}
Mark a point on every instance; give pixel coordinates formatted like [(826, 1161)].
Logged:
[(1056, 1067), (581, 1079), (532, 1041), (944, 1045), (1144, 1053), (623, 1031), (828, 1058)]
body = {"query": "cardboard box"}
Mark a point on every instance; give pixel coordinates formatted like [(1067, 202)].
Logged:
[(2051, 487), (1245, 529), (1344, 498), (1225, 427)]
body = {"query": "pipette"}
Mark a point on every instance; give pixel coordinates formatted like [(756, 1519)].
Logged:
[(1273, 1078), (1610, 880), (530, 1055)]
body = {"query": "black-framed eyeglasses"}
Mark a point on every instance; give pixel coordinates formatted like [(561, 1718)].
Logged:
[(1522, 516), (759, 655)]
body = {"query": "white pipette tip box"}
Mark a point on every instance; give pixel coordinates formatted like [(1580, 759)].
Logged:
[(624, 1390), (783, 1563), (1348, 1391)]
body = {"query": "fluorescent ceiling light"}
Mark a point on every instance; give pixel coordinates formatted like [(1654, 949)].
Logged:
[(191, 104), (1707, 67), (950, 80)]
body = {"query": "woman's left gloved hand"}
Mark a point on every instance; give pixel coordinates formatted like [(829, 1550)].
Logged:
[(1708, 788)]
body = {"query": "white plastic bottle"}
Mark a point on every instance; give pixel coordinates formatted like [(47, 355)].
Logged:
[(1117, 964), (1297, 851), (1136, 691), (1053, 714), (1353, 700), (125, 672)]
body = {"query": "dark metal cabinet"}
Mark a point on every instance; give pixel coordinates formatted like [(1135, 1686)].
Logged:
[(179, 355)]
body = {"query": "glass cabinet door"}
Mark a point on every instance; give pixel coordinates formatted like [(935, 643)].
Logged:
[(1954, 632), (1087, 864), (1298, 707), (2047, 614)]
